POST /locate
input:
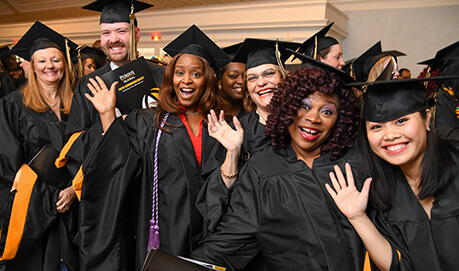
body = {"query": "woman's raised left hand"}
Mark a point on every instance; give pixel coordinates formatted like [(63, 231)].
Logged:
[(349, 200), (219, 129)]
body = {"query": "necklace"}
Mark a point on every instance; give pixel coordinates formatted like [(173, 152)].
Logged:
[(194, 113), (261, 116), (53, 104)]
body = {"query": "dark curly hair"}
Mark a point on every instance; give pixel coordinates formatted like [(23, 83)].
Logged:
[(288, 98)]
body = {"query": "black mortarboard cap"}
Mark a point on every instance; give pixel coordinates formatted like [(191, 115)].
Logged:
[(445, 54), (232, 49), (317, 42), (388, 100), (356, 67), (309, 61), (116, 11), (38, 37), (427, 62), (5, 49), (256, 52), (195, 42), (372, 60)]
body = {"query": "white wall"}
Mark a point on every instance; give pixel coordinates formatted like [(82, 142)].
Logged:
[(417, 27), (418, 32)]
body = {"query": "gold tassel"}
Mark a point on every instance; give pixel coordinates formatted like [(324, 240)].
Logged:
[(132, 50), (279, 60), (315, 47), (72, 72), (80, 64)]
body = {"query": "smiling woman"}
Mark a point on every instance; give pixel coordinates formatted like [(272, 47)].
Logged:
[(166, 160), (32, 126), (412, 204), (279, 207)]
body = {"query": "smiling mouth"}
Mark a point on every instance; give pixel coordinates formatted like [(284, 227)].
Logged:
[(187, 92), (396, 148), (309, 134), (265, 92)]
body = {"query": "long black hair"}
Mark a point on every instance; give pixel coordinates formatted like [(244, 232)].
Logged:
[(438, 168)]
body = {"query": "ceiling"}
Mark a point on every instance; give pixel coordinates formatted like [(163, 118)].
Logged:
[(22, 11)]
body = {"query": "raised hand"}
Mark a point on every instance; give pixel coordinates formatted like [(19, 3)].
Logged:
[(220, 130), (103, 99), (349, 200)]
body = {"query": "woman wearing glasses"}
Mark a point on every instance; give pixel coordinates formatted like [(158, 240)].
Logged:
[(264, 73)]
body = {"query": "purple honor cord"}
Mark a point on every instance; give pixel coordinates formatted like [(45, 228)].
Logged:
[(153, 239)]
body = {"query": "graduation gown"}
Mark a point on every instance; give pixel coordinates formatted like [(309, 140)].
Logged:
[(214, 195), (116, 199), (83, 116), (280, 207), (423, 244), (44, 236)]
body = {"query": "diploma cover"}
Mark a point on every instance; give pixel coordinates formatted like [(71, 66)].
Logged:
[(134, 83), (158, 260)]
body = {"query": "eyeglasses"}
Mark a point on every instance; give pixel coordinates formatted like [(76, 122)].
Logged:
[(268, 74)]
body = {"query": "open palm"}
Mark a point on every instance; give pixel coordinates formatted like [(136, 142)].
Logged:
[(103, 99), (349, 200), (219, 129)]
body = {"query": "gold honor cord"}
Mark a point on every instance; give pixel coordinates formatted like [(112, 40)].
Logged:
[(279, 61), (132, 49)]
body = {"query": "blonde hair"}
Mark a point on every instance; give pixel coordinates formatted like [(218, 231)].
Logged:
[(32, 97), (380, 66)]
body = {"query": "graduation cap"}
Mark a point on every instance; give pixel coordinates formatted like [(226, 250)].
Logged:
[(356, 66), (5, 49), (388, 100), (39, 37), (427, 62), (116, 11), (317, 42), (309, 61), (4, 54), (445, 54), (256, 52), (195, 42), (372, 60), (232, 49)]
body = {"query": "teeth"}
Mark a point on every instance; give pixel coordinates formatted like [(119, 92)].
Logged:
[(396, 147), (261, 93), (187, 89), (309, 131)]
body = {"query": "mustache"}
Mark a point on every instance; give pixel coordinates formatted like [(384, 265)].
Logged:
[(115, 44)]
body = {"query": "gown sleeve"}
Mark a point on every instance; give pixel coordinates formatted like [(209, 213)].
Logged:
[(234, 244), (446, 118)]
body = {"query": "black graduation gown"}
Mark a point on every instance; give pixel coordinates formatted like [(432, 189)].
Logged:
[(83, 115), (46, 234), (118, 186), (423, 244), (446, 120), (281, 207), (214, 195)]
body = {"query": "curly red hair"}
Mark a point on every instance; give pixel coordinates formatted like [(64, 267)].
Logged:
[(288, 98)]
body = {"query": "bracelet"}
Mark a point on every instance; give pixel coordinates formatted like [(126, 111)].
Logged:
[(229, 176)]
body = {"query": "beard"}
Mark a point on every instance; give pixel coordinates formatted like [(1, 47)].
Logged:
[(118, 56)]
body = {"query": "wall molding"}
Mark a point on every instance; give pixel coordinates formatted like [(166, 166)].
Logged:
[(291, 20)]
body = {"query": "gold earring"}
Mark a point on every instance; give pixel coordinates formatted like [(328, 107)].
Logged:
[(428, 129)]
